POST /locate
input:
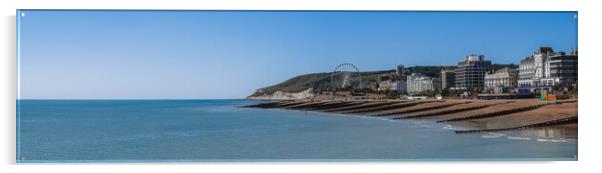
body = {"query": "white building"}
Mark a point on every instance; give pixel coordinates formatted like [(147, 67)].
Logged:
[(387, 82), (548, 68), (532, 68), (418, 83), (448, 78), (387, 86), (393, 82), (505, 78)]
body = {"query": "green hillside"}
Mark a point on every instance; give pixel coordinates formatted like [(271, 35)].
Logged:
[(319, 82)]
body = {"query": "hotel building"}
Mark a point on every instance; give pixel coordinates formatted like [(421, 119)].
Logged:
[(418, 83), (501, 80), (470, 73), (448, 78), (548, 68)]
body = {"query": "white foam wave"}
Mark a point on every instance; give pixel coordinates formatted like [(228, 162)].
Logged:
[(449, 127), (551, 140), (493, 135), (518, 138)]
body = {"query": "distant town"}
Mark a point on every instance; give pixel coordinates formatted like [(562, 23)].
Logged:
[(545, 74), (545, 71), (474, 96)]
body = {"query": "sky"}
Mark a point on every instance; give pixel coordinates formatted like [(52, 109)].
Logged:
[(228, 54)]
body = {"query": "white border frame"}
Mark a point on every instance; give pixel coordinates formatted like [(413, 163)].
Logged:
[(589, 151)]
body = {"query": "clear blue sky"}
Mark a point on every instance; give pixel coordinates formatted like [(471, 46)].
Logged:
[(229, 54)]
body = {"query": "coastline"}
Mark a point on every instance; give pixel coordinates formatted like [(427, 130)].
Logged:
[(469, 115)]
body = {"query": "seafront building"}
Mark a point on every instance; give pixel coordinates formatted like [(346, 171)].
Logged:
[(387, 82), (418, 83), (470, 73), (448, 78), (402, 87), (502, 80), (526, 72), (401, 72), (546, 68), (532, 68), (561, 70)]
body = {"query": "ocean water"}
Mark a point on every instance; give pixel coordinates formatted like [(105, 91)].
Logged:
[(217, 130)]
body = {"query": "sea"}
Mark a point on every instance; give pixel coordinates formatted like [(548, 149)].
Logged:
[(109, 131)]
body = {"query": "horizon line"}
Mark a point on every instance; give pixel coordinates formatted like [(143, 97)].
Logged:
[(133, 99)]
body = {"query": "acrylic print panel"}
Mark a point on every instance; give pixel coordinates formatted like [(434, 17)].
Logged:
[(205, 86)]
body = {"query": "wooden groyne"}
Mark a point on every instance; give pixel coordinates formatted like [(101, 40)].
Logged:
[(329, 108), (405, 111), (329, 105), (360, 106), (489, 115), (561, 121), (262, 105), (493, 114), (305, 105), (507, 111), (289, 103), (391, 107), (444, 112)]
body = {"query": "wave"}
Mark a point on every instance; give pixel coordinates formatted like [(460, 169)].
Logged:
[(493, 135), (552, 140), (518, 138), (450, 127)]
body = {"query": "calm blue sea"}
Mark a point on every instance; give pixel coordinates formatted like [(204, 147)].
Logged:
[(216, 130)]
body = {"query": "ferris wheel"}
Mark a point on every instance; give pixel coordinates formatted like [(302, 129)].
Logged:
[(346, 75)]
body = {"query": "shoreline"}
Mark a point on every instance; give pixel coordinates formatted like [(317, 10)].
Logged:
[(471, 115)]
